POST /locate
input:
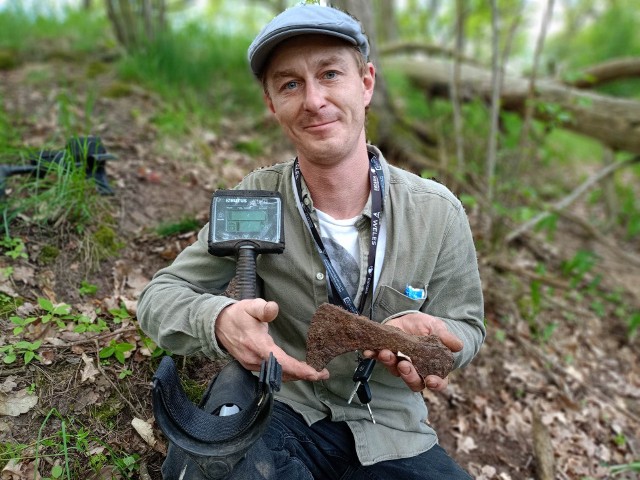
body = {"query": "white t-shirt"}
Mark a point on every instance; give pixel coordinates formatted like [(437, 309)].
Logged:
[(340, 239)]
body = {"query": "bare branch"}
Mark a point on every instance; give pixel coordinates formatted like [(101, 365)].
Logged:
[(572, 197), (607, 72)]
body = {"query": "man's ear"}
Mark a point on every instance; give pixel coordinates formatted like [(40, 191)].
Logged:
[(369, 82)]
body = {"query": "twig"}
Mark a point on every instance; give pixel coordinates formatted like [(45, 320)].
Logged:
[(11, 371), (572, 197), (95, 338), (115, 387), (144, 472)]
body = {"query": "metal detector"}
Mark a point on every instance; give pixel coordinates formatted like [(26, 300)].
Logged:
[(206, 441)]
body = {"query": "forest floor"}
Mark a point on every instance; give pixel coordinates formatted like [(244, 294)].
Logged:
[(572, 389)]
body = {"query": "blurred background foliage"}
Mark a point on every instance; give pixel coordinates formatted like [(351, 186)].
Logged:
[(518, 171), (192, 54)]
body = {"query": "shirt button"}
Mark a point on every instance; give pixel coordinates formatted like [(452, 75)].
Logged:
[(320, 276)]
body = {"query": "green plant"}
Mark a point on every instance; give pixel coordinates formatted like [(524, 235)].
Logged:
[(14, 247), (21, 323), (86, 324), (154, 349), (87, 288), (59, 314), (577, 267), (8, 304), (634, 323), (117, 350), (27, 350), (119, 314)]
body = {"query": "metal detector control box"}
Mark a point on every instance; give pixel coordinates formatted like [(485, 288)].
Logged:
[(246, 218)]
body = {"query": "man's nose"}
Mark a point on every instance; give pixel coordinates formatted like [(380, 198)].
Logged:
[(314, 98)]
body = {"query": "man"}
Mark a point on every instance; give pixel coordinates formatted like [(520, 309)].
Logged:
[(387, 234)]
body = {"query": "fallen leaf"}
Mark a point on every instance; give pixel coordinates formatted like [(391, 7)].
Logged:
[(8, 385), (90, 371), (145, 430), (12, 470), (17, 403), (466, 444), (24, 274), (88, 398)]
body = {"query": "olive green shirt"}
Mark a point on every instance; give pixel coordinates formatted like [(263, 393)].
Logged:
[(428, 245)]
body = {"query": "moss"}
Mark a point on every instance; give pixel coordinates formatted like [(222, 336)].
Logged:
[(118, 90), (8, 59), (252, 147), (48, 254), (106, 239), (107, 413), (182, 226), (95, 69), (193, 389)]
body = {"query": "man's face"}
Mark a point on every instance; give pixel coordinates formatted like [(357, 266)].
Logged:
[(318, 94)]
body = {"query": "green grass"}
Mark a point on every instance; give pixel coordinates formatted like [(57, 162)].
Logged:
[(200, 74), (75, 32), (67, 449), (187, 224)]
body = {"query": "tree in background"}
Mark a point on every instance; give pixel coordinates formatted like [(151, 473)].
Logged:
[(136, 22)]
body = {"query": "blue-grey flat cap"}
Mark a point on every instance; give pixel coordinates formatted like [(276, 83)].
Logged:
[(301, 20)]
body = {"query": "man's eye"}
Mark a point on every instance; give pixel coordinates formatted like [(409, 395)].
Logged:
[(290, 85), (330, 75)]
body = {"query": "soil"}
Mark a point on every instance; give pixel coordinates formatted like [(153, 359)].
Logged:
[(579, 374)]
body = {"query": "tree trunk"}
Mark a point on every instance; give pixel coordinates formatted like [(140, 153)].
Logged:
[(613, 121), (136, 22), (386, 25), (381, 116), (606, 72)]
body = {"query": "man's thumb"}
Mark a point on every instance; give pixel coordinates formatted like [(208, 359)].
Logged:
[(270, 311)]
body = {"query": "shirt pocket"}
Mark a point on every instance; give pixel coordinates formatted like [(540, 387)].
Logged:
[(390, 301)]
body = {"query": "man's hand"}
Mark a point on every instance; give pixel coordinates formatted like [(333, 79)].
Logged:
[(417, 324), (243, 330)]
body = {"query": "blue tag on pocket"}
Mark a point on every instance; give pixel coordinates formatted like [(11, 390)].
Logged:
[(415, 293)]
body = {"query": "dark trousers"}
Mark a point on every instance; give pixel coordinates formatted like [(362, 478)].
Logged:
[(291, 450)]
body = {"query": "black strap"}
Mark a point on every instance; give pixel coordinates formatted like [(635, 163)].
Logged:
[(376, 180)]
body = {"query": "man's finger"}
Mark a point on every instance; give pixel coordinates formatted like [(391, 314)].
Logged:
[(261, 309), (435, 383), (410, 375), (293, 369), (450, 341)]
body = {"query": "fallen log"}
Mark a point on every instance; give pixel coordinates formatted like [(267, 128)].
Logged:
[(613, 121)]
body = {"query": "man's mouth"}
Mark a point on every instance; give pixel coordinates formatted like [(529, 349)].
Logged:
[(319, 125)]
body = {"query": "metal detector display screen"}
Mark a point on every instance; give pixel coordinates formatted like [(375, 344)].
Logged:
[(246, 221), (240, 216)]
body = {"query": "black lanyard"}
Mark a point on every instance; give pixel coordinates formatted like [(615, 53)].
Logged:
[(376, 180)]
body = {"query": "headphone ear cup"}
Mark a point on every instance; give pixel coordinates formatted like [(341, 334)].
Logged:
[(215, 442)]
